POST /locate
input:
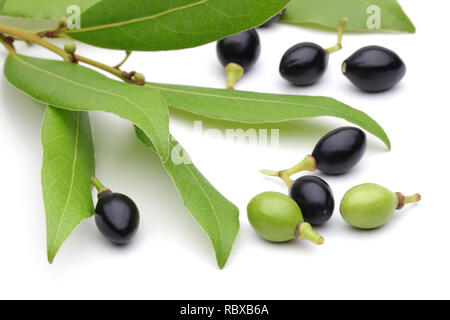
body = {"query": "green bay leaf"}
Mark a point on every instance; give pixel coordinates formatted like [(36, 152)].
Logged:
[(252, 107), (217, 216), (67, 166), (43, 9), (167, 25), (327, 13), (73, 87)]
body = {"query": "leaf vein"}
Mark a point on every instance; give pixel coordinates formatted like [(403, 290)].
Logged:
[(69, 196), (95, 90), (124, 23)]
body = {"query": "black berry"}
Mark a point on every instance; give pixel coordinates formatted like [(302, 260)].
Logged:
[(238, 54), (243, 49), (314, 197), (374, 69), (336, 153), (117, 217), (340, 150), (304, 64)]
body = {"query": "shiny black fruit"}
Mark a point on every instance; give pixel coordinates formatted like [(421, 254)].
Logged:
[(340, 150), (238, 54), (304, 64), (336, 153), (272, 20), (374, 69), (242, 49), (314, 197), (116, 216)]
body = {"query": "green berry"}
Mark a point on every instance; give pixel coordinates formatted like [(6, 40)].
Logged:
[(62, 23), (139, 77), (369, 206), (70, 47), (278, 218)]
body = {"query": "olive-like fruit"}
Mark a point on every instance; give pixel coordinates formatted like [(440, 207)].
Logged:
[(117, 217), (340, 150), (305, 63), (278, 218), (314, 197), (70, 47), (336, 153), (238, 54), (272, 20), (374, 69), (139, 77), (369, 206)]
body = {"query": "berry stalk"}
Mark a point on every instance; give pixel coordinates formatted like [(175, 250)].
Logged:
[(338, 45), (99, 186), (234, 72), (305, 231), (307, 164), (404, 200)]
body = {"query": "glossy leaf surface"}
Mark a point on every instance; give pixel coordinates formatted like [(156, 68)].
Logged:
[(168, 25), (253, 107), (217, 216), (67, 167), (363, 15), (73, 87)]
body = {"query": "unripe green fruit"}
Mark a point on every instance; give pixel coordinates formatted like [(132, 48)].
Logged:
[(62, 23), (139, 77), (70, 47), (278, 218), (369, 206)]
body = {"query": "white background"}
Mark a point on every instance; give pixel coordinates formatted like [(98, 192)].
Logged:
[(172, 258)]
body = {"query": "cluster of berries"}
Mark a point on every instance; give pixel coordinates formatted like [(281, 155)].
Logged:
[(371, 69)]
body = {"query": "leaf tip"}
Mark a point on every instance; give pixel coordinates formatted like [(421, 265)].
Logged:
[(387, 142), (51, 254), (412, 29), (221, 263)]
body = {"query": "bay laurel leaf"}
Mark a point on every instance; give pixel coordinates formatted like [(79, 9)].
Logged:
[(73, 87), (253, 107), (363, 15), (67, 166), (168, 25), (217, 216)]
